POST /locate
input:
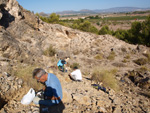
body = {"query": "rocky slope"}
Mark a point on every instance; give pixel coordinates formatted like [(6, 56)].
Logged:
[(24, 38)]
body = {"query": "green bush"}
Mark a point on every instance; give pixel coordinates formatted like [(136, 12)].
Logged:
[(53, 18), (84, 25), (104, 30), (138, 34)]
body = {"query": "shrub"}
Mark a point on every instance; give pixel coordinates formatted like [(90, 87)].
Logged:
[(104, 30), (124, 61), (50, 51), (140, 61), (111, 56), (75, 65), (98, 57), (53, 18), (93, 30), (123, 49), (143, 69), (106, 77), (25, 72), (121, 34), (76, 52), (98, 23), (148, 56), (127, 56)]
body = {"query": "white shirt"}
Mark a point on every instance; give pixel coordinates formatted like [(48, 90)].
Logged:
[(76, 75)]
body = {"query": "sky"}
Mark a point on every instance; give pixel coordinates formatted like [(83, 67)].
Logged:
[(52, 6)]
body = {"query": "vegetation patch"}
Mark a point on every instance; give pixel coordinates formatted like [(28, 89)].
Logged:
[(127, 56), (75, 65), (148, 56), (111, 55), (99, 56), (107, 77), (50, 51), (25, 72), (119, 64), (141, 61), (138, 34)]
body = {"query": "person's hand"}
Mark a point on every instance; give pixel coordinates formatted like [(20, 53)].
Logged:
[(40, 93)]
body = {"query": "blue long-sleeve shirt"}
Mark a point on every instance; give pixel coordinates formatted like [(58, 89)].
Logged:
[(53, 87)]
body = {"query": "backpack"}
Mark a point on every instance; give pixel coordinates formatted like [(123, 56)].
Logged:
[(63, 61)]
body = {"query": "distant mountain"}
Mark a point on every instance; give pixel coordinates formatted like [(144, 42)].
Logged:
[(110, 10), (121, 9), (83, 11), (43, 14)]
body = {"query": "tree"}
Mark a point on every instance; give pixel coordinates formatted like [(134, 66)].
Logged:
[(93, 29), (146, 30), (85, 26), (53, 18), (104, 30), (135, 32)]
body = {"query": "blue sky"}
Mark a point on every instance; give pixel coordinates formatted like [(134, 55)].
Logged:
[(50, 6)]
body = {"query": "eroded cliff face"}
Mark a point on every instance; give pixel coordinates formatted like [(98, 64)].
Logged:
[(23, 40)]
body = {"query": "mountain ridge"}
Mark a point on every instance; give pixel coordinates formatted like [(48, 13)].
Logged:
[(109, 10)]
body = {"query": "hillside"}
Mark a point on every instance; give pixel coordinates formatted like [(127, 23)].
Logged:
[(23, 40)]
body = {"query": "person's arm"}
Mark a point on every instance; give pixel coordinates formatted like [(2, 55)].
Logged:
[(55, 95)]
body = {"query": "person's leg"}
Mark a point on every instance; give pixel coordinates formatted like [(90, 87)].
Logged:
[(36, 100), (63, 68), (73, 77), (47, 102), (60, 68)]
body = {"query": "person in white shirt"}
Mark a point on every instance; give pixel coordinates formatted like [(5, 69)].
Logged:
[(76, 74)]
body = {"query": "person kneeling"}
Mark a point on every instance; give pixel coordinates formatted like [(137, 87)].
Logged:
[(52, 90), (76, 74)]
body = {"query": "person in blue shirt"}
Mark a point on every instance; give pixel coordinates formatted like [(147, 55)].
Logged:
[(52, 90), (61, 64)]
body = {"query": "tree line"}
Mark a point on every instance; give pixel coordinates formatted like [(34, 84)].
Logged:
[(139, 33)]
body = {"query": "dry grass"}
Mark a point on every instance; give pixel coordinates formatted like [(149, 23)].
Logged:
[(98, 57), (50, 51), (106, 77), (127, 56), (76, 52), (111, 55), (141, 61), (124, 61), (75, 65), (143, 69), (148, 56), (25, 72)]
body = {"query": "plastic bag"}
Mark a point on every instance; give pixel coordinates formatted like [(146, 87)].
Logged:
[(27, 99)]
